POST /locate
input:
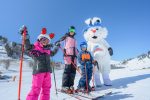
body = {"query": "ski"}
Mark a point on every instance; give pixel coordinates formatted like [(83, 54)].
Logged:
[(71, 95), (90, 96), (95, 95)]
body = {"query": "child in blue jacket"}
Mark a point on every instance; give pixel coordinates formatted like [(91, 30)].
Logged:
[(86, 60)]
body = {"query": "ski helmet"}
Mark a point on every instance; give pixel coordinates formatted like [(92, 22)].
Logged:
[(83, 45), (71, 29)]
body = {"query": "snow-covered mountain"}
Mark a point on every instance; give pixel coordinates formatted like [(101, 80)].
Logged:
[(3, 53), (8, 63), (140, 62)]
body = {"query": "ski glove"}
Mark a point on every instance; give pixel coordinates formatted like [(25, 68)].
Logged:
[(49, 46), (21, 30), (57, 43), (110, 51), (94, 62)]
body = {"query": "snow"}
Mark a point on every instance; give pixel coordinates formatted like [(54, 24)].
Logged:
[(131, 81), (130, 85), (115, 62), (3, 54), (137, 64), (127, 84)]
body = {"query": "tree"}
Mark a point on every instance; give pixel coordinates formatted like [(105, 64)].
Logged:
[(148, 54)]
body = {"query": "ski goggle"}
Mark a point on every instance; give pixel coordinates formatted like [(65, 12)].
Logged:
[(83, 46), (44, 39), (71, 30)]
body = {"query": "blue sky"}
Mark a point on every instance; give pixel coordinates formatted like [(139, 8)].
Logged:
[(127, 21)]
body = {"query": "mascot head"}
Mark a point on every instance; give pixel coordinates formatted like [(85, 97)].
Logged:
[(94, 32)]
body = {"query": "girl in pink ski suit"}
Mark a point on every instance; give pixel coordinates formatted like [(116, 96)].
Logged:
[(70, 59), (41, 80)]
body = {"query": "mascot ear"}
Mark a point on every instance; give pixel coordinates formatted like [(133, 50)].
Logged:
[(96, 20), (88, 21)]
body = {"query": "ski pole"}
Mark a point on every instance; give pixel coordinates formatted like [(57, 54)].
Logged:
[(21, 63), (95, 65), (87, 90), (71, 60), (55, 80), (93, 80)]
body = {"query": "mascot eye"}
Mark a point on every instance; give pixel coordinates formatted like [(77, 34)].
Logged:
[(98, 20), (96, 28)]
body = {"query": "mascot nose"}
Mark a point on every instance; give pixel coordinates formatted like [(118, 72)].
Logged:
[(93, 30)]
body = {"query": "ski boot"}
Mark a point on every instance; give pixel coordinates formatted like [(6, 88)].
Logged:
[(92, 88), (80, 90), (72, 89), (66, 90), (87, 91)]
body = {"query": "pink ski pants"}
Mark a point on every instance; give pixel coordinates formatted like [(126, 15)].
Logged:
[(41, 84)]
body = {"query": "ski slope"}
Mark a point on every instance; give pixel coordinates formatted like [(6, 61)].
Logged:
[(131, 81), (127, 84)]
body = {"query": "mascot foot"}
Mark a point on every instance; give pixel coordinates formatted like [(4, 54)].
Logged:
[(106, 79), (107, 82)]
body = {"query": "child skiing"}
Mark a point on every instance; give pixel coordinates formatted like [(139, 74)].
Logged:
[(40, 52), (70, 55), (86, 60)]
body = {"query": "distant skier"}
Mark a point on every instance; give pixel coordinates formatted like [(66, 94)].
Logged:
[(40, 52), (86, 61), (70, 55)]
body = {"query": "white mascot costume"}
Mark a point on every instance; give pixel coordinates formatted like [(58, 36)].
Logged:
[(95, 36)]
